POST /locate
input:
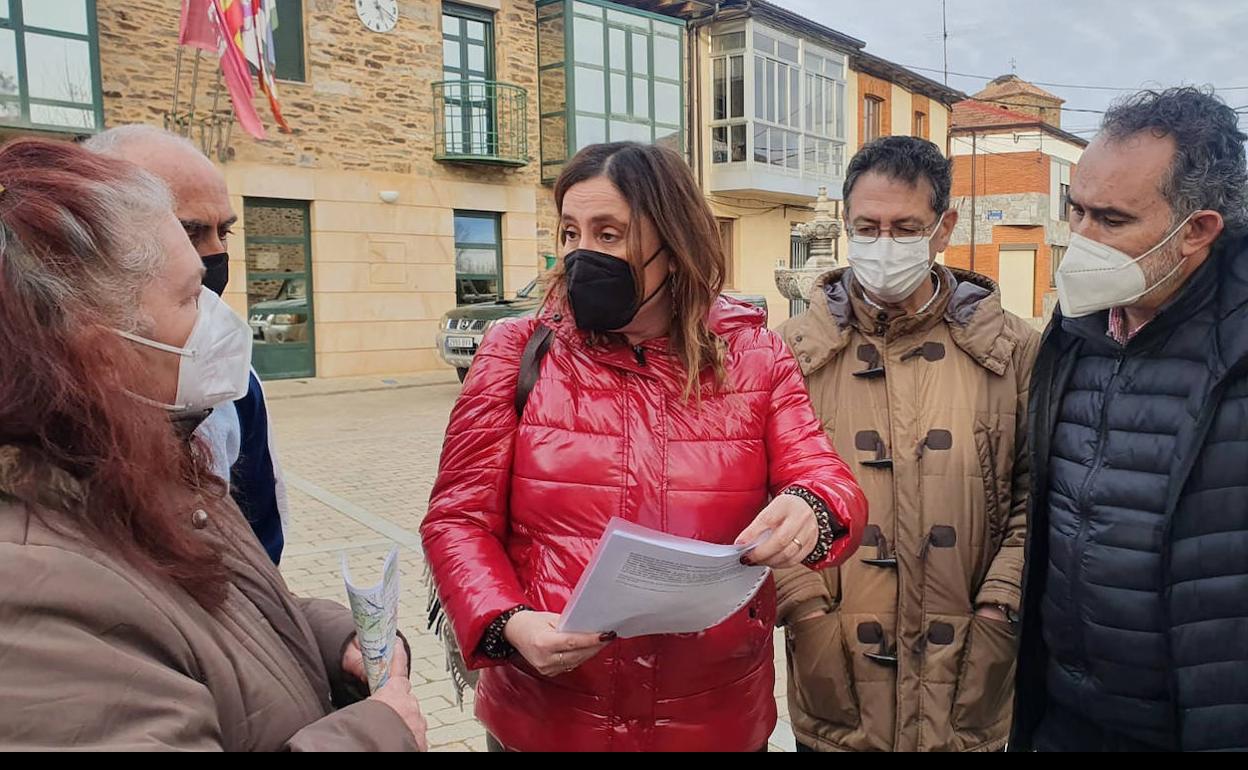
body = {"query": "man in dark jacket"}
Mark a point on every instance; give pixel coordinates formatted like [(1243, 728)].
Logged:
[(1135, 613)]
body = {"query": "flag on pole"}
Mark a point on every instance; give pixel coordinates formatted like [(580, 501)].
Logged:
[(264, 14), (270, 9), (241, 33), (197, 28), (230, 21)]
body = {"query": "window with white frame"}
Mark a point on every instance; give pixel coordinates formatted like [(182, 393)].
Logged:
[(777, 101), (825, 113), (728, 121)]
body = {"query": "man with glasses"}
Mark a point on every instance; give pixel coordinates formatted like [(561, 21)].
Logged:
[(920, 376)]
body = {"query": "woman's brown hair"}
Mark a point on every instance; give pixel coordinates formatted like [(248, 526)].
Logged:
[(658, 186)]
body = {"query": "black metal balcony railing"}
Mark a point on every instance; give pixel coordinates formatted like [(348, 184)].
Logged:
[(480, 121)]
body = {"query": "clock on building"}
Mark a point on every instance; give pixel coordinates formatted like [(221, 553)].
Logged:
[(378, 15)]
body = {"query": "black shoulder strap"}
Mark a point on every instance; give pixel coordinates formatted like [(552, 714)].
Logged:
[(531, 364)]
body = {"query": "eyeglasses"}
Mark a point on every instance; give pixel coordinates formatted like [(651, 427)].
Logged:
[(866, 233)]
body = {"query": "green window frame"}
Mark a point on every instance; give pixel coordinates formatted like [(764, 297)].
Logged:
[(288, 42), (287, 358), (469, 284), (468, 108), (71, 106), (623, 80)]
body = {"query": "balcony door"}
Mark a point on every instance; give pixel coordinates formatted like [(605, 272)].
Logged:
[(468, 68)]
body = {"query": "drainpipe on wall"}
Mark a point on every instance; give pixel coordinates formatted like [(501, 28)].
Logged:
[(694, 113), (974, 136), (949, 133)]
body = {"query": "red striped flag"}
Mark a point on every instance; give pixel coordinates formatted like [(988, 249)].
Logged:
[(230, 21)]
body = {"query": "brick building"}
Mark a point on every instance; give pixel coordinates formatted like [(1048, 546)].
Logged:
[(1012, 163)]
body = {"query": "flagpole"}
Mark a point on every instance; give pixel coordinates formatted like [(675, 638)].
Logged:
[(177, 83), (216, 92), (190, 115), (215, 120)]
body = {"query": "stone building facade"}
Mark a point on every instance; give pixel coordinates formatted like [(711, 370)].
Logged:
[(363, 119)]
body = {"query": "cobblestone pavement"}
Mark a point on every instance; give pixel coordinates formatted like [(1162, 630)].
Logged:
[(360, 465)]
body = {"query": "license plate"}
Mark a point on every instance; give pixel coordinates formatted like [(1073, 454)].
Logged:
[(461, 343)]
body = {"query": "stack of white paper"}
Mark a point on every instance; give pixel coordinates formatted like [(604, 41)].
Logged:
[(641, 581)]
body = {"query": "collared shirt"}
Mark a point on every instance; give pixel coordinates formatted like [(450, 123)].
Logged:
[(1120, 330)]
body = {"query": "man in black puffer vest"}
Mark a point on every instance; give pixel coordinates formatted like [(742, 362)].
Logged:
[(1135, 613)]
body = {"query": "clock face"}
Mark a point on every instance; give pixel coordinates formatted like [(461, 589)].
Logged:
[(378, 15)]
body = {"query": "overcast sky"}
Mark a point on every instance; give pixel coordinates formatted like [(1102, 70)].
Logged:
[(1125, 44)]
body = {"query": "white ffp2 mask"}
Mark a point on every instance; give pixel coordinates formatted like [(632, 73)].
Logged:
[(890, 270), (1094, 277), (216, 359)]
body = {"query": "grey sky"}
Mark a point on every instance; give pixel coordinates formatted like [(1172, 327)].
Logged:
[(1120, 43)]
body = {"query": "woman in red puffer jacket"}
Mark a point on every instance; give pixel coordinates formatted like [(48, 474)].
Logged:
[(652, 398)]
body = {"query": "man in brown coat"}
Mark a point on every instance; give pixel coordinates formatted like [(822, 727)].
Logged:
[(918, 374)]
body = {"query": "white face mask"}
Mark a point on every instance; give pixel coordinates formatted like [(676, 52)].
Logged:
[(1095, 277), (889, 270), (216, 360)]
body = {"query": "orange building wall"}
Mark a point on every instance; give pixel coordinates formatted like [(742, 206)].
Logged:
[(1003, 174), (1018, 172)]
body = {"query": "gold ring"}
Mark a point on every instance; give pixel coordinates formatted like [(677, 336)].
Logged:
[(797, 542)]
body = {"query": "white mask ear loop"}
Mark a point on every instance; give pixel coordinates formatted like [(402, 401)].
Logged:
[(177, 351), (1166, 240), (936, 227), (1161, 281), (182, 352), (1164, 278), (157, 404)]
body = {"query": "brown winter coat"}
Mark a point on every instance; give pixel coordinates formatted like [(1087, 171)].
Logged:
[(96, 654), (929, 409)]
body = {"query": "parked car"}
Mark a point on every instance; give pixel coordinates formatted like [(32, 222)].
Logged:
[(462, 329), (283, 318)]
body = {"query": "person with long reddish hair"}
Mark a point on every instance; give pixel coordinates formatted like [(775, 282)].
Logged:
[(637, 392), (137, 611)]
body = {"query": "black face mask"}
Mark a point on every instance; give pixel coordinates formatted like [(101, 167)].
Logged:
[(217, 272), (602, 291)]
